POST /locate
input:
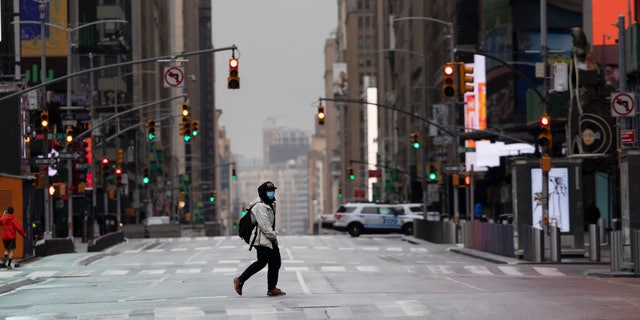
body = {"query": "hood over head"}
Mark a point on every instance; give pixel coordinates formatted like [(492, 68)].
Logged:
[(262, 191)]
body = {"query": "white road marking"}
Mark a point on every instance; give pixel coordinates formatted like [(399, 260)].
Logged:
[(296, 269), (41, 274), (549, 271), (482, 270), (394, 249), (333, 268), (413, 308), (178, 249), (510, 270), (190, 271), (303, 284), (368, 268), (156, 271), (225, 270), (177, 312), (229, 261), (115, 273), (440, 269)]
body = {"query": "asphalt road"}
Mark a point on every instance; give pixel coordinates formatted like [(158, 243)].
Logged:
[(325, 277)]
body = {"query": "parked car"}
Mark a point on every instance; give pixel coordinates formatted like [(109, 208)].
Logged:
[(505, 218), (359, 218), (152, 221), (326, 220), (416, 209)]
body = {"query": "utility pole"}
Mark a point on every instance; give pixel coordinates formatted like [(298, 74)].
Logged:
[(43, 106)]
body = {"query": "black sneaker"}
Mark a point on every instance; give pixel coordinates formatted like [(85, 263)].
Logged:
[(9, 266)]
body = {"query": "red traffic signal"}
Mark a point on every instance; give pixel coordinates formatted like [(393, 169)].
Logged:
[(233, 80), (450, 83), (545, 137), (105, 160)]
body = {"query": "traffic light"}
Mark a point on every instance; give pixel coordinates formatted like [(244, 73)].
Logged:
[(466, 78), (352, 176), (415, 140), (433, 173), (118, 173), (151, 129), (212, 196), (69, 135), (186, 125), (44, 121), (195, 128), (321, 115), (105, 168), (450, 82), (145, 175), (233, 81), (185, 111), (244, 212), (340, 195), (233, 173), (545, 138), (119, 156), (461, 180), (235, 224)]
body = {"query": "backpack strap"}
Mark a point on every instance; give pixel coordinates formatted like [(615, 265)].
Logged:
[(255, 234)]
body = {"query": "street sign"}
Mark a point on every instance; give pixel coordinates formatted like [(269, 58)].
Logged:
[(69, 156), (622, 104), (627, 136), (69, 119), (173, 77), (44, 161), (452, 168)]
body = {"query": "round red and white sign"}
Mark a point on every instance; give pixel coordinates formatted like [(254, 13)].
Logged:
[(622, 104), (173, 77)]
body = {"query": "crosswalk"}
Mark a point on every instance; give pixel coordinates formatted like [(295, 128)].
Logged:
[(385, 309), (228, 267)]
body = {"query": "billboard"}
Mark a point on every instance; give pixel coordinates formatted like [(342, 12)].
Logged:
[(558, 198), (56, 37)]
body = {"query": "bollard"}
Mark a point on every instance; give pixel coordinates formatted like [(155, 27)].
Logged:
[(616, 250), (537, 245), (555, 247), (594, 243), (635, 250)]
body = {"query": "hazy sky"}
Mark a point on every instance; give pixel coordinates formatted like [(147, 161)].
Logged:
[(281, 65)]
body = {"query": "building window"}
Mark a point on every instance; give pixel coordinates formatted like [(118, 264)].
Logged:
[(360, 42), (367, 22), (361, 60), (359, 22)]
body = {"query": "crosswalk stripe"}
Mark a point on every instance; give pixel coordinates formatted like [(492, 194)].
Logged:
[(549, 271), (333, 268), (394, 249), (190, 271), (371, 249), (225, 270), (510, 270), (152, 272), (115, 272), (368, 268), (482, 270), (296, 269), (413, 308), (41, 274), (79, 273), (440, 269), (419, 249)]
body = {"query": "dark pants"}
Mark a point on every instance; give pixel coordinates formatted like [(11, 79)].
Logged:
[(269, 257)]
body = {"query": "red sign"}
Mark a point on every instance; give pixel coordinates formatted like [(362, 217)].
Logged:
[(377, 173), (627, 136), (359, 193)]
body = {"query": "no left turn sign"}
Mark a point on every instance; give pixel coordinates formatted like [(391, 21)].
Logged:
[(173, 77), (622, 104)]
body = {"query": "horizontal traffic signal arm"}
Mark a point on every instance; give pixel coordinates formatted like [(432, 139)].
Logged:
[(117, 65), (380, 166), (461, 129), (364, 102)]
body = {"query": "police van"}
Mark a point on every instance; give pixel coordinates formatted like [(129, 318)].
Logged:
[(359, 218)]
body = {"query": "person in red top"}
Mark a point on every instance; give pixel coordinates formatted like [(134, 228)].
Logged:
[(10, 226)]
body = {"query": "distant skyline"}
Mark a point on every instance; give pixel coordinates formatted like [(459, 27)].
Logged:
[(281, 65)]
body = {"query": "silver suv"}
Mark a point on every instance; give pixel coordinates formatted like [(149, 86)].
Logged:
[(359, 218)]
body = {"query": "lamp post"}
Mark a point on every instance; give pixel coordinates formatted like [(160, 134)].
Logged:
[(424, 109), (454, 104), (68, 107)]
